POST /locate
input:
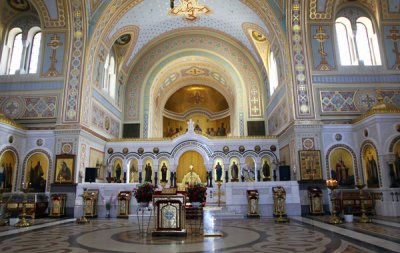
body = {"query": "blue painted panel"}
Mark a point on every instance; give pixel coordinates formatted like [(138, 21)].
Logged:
[(31, 86), (327, 46), (356, 79), (48, 53), (104, 102)]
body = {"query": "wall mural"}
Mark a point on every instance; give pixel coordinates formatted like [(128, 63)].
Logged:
[(334, 101), (7, 170), (29, 107), (53, 55), (96, 160), (37, 168), (322, 49), (391, 36), (370, 166), (341, 167)]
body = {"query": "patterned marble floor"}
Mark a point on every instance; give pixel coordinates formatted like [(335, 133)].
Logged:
[(238, 235)]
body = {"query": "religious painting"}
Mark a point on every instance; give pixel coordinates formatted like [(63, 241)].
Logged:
[(133, 171), (341, 167), (36, 172), (219, 170), (234, 169), (248, 170), (370, 166), (117, 171), (395, 167), (65, 170), (147, 171), (266, 169), (7, 168), (310, 165), (163, 171), (96, 158)]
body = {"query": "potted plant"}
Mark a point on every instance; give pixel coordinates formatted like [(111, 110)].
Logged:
[(108, 206), (197, 194), (144, 193)]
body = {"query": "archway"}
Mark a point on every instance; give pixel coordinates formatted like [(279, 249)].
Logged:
[(185, 161)]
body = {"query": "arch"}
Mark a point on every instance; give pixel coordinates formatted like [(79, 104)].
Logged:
[(366, 166), (393, 142), (184, 146), (17, 171), (191, 162), (337, 165)]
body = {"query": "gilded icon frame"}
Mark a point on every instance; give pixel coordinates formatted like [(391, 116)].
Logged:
[(61, 177), (310, 165)]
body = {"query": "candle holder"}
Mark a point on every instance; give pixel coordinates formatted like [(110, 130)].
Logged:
[(332, 185), (23, 222), (83, 219), (2, 209), (364, 218)]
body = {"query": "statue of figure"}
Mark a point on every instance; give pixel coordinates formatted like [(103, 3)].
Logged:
[(218, 170), (65, 173), (148, 173), (234, 171), (118, 172), (164, 171), (266, 171)]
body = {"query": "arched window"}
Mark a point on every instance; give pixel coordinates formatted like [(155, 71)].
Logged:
[(16, 54), (272, 73), (357, 42), (110, 74), (21, 51), (35, 50)]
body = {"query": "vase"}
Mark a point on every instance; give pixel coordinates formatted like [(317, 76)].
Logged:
[(196, 204)]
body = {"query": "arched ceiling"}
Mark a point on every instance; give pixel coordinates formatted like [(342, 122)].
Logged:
[(153, 19)]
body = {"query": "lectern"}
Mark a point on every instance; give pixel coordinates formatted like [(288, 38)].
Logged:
[(90, 202), (58, 204), (124, 198), (169, 212)]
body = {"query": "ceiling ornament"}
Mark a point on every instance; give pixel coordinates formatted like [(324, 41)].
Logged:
[(20, 5), (189, 9), (258, 36)]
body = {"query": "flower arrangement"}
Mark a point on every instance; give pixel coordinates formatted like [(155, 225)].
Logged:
[(144, 192), (108, 203), (197, 193)]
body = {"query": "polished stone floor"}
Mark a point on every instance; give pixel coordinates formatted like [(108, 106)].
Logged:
[(237, 235)]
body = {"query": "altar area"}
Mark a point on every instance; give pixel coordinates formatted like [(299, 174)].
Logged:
[(231, 197)]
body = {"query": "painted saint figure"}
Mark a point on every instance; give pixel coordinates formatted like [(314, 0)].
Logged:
[(266, 171), (118, 172), (218, 171), (372, 171), (164, 171), (148, 171), (65, 173), (234, 172)]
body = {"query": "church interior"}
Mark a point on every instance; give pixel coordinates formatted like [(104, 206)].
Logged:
[(200, 126)]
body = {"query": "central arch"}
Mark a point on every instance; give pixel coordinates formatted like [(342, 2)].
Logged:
[(188, 159)]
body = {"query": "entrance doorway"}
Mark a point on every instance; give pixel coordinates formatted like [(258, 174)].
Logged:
[(183, 171)]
